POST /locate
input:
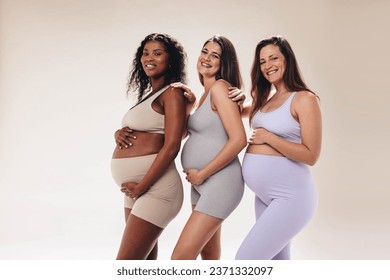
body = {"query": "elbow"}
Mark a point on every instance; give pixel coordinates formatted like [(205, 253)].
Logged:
[(311, 163), (173, 149), (240, 143), (237, 143), (243, 143), (312, 160)]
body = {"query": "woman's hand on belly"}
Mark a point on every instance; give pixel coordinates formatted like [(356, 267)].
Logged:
[(123, 136), (194, 176), (258, 143), (259, 136), (132, 190), (143, 143)]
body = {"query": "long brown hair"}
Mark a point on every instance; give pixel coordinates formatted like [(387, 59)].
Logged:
[(292, 76), (230, 69)]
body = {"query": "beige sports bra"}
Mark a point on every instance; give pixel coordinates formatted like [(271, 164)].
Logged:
[(142, 117)]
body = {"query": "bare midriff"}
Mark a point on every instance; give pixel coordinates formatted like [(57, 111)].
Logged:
[(144, 144), (263, 149)]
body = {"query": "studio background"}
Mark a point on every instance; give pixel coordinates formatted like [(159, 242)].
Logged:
[(63, 71)]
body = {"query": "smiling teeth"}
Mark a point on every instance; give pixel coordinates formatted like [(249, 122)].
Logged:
[(206, 65), (271, 72)]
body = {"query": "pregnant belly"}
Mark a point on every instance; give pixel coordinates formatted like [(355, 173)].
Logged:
[(197, 153)]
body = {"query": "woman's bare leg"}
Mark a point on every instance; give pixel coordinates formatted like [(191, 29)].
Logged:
[(212, 250), (198, 231), (139, 241)]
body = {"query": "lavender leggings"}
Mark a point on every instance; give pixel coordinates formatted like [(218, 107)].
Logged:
[(286, 199)]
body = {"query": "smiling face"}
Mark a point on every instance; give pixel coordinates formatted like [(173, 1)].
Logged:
[(209, 61), (272, 64), (154, 59)]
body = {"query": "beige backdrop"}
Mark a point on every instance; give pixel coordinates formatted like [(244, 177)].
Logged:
[(63, 73)]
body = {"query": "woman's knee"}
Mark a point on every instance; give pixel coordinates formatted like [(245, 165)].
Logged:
[(183, 253), (211, 253)]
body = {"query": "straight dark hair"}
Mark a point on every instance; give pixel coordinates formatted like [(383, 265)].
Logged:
[(292, 77), (230, 69)]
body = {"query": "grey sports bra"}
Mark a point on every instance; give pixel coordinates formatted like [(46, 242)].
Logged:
[(142, 117), (280, 122)]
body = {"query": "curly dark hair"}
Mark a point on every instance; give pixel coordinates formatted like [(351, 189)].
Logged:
[(139, 81), (230, 69), (292, 77)]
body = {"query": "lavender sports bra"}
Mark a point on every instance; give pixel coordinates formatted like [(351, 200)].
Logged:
[(142, 117), (280, 122)]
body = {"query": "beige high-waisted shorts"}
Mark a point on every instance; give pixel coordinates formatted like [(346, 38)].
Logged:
[(162, 202)]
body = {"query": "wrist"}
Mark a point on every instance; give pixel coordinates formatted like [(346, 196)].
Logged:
[(193, 97), (203, 175), (142, 188), (268, 137)]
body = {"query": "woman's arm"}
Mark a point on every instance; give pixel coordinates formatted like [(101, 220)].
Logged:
[(246, 108), (188, 94), (122, 136), (237, 95), (229, 114), (190, 101), (173, 102), (307, 110)]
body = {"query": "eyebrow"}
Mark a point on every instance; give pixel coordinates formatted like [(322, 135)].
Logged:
[(212, 52), (268, 56)]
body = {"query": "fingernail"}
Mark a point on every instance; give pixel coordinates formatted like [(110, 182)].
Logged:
[(131, 144)]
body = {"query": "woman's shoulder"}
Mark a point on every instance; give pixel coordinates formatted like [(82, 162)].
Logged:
[(222, 82), (172, 93), (305, 98), (305, 95), (220, 85)]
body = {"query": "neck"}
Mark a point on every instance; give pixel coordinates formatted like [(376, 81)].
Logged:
[(157, 84), (207, 83), (280, 88)]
